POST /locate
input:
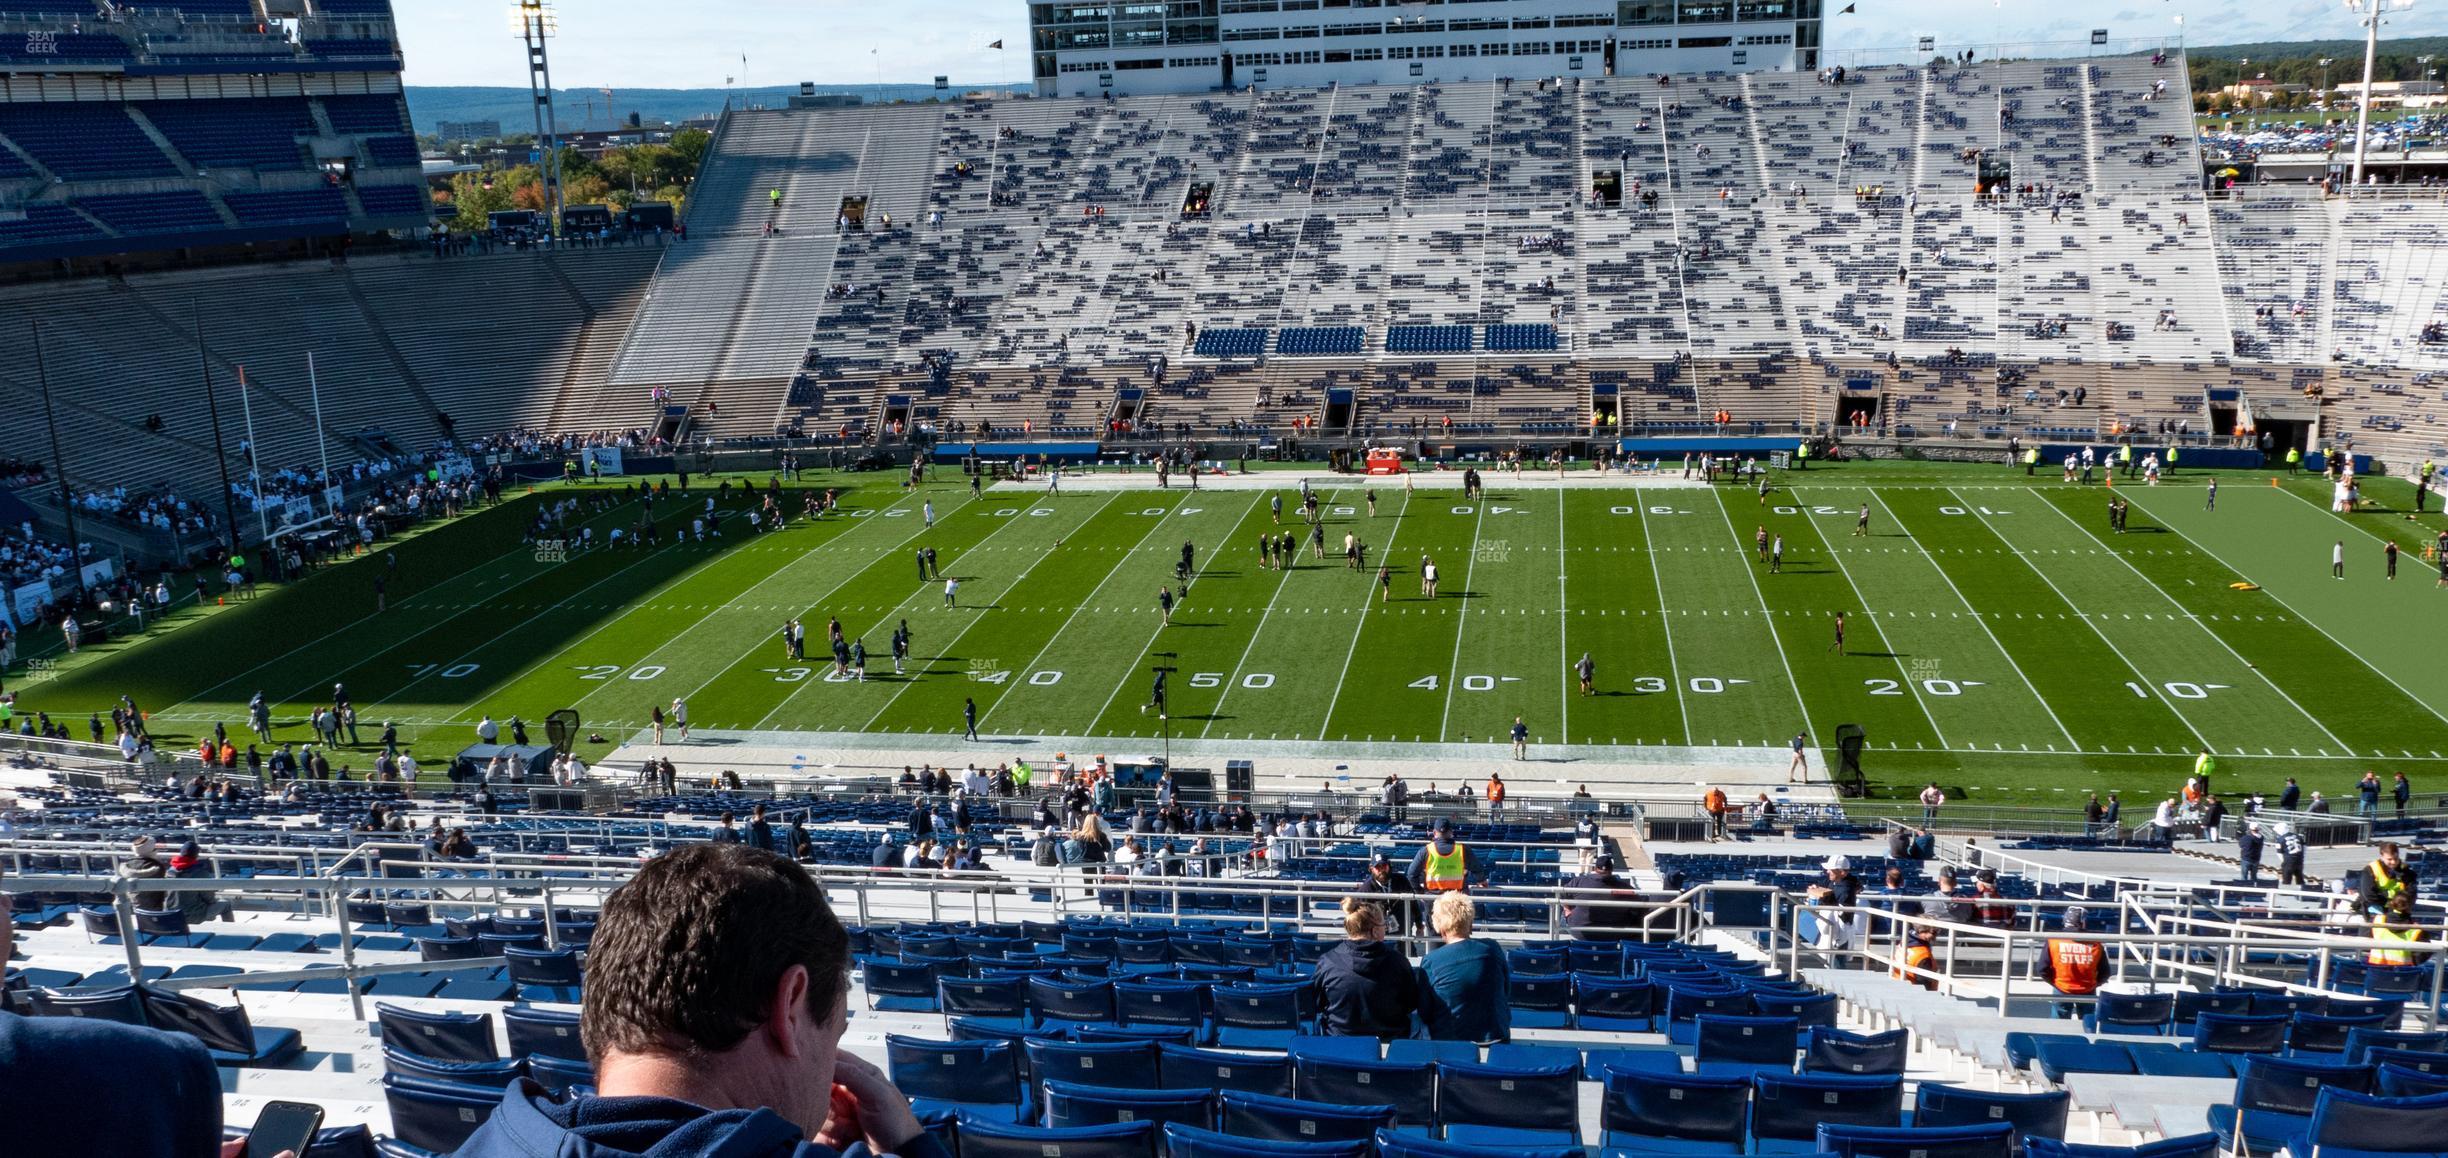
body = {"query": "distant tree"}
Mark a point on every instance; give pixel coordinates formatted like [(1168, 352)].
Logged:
[(689, 147)]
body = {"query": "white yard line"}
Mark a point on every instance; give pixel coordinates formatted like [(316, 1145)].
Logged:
[(2197, 624), (437, 588), (742, 600), (2076, 608), (2071, 742), (644, 555), (1158, 631), (750, 655), (2196, 545), (1863, 602), (1674, 671), (974, 620), (1768, 617), (1283, 579), (1365, 605), (1572, 682), (1023, 670), (1470, 564), (900, 610)]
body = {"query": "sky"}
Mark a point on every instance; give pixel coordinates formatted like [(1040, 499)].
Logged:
[(698, 44)]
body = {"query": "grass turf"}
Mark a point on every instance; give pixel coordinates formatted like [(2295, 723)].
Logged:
[(2000, 637)]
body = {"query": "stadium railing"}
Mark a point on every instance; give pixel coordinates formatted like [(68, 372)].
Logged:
[(2167, 939)]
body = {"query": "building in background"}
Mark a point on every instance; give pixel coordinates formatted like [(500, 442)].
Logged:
[(1086, 48), (468, 130)]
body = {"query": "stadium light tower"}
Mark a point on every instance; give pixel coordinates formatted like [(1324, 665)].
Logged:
[(2369, 11), (538, 23)]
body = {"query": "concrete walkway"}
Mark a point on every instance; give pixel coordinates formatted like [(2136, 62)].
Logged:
[(1653, 774)]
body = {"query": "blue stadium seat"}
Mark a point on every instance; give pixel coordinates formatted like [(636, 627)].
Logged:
[(225, 1030), (1264, 1117), (2173, 1061), (2192, 1003), (1614, 1004), (1674, 1113), (364, 114), (437, 1116), (1183, 1068), (141, 214), (1165, 1001), (982, 1137), (157, 925), (1252, 1016), (2189, 1146), (1807, 1010), (549, 1032), (2419, 1060), (1069, 1105), (394, 201), (439, 1036), (2400, 1082), (2239, 1032), (1124, 1065), (1986, 1140), (1183, 1141), (1787, 1109), (1072, 1001), (84, 140), (1215, 342), (980, 1079), (2273, 1100), (252, 133), (1415, 1050), (1836, 1051), (2326, 1033), (2041, 1113), (2131, 1013), (1398, 1144), (118, 1003), (1741, 1046), (1540, 1001), (559, 1074), (1410, 1089), (316, 206), (903, 988), (548, 975), (496, 1073), (982, 997), (1490, 1104), (2360, 1041), (2345, 1123)]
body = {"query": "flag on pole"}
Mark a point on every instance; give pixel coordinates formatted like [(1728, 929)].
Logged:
[(996, 44), (1845, 9)]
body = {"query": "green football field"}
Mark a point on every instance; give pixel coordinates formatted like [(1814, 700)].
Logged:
[(2001, 638)]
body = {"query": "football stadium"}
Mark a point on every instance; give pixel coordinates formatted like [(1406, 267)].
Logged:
[(1674, 592)]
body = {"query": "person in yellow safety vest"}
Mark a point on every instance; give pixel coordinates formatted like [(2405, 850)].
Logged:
[(2125, 459), (2294, 458), (2031, 460), (1801, 456), (2396, 932), (2385, 879), (1445, 865), (2171, 462)]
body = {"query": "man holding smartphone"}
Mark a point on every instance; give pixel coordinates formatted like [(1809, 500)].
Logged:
[(47, 1063), (717, 993)]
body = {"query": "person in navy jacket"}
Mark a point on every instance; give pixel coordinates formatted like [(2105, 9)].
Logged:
[(716, 996)]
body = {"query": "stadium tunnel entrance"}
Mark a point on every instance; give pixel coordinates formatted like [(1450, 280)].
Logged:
[(1857, 410)]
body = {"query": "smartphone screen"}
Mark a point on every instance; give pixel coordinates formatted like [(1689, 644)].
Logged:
[(284, 1126)]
